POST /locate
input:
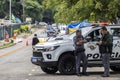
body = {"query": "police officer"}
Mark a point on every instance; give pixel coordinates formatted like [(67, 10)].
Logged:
[(80, 53), (105, 48), (35, 40)]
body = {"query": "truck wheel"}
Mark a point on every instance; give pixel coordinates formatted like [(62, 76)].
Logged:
[(49, 70), (115, 68), (67, 64)]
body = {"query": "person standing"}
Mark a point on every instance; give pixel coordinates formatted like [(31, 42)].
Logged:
[(35, 40), (105, 48), (50, 27), (80, 53)]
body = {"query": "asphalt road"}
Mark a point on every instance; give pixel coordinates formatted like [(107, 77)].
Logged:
[(16, 65)]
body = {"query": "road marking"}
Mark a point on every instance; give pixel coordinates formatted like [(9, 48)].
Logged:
[(8, 53), (26, 79), (29, 74), (33, 70)]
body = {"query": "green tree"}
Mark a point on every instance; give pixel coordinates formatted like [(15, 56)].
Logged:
[(79, 10), (114, 10), (34, 10), (16, 8), (64, 11), (48, 16), (4, 8)]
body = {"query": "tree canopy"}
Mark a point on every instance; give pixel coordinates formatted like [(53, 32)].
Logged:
[(34, 9), (63, 11), (79, 10)]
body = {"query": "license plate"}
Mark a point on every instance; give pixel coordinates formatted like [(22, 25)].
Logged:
[(34, 60)]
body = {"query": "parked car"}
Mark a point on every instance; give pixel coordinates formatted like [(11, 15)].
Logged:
[(43, 37), (42, 24)]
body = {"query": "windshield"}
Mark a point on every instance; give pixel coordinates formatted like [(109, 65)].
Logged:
[(84, 31), (42, 35), (70, 36)]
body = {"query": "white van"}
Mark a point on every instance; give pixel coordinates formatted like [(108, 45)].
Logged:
[(58, 55)]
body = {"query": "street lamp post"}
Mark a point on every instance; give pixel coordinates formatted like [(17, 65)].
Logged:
[(10, 14), (10, 11)]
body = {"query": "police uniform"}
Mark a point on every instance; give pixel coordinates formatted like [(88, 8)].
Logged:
[(106, 49), (80, 55)]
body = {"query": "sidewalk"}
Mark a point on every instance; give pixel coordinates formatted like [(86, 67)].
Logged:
[(19, 38), (20, 45), (4, 44)]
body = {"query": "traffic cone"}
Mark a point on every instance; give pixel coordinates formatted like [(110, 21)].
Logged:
[(7, 37), (27, 43), (15, 35)]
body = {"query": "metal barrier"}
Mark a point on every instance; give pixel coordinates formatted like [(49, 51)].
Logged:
[(9, 29), (2, 32)]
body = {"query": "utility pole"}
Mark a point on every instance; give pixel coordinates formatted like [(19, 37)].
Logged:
[(10, 15), (23, 4)]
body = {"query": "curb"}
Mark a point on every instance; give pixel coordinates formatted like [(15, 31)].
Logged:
[(8, 46)]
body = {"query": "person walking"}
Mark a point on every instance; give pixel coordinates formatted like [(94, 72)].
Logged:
[(80, 53), (105, 48), (35, 40)]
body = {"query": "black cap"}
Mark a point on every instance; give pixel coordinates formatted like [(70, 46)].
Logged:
[(35, 34)]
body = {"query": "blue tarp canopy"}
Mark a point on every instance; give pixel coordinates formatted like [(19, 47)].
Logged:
[(78, 25), (73, 25)]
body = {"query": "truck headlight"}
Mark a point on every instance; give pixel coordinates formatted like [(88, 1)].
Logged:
[(51, 48)]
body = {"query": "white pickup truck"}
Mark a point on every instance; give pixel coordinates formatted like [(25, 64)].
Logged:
[(58, 54)]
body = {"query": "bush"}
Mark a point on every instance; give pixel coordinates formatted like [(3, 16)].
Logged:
[(24, 28), (16, 31)]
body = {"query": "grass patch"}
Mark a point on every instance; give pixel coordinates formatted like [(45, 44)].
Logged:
[(7, 45)]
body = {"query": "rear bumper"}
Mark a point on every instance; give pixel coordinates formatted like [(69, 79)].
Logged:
[(40, 62)]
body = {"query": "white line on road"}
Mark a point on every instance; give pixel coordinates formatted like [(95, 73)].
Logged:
[(33, 70), (29, 74)]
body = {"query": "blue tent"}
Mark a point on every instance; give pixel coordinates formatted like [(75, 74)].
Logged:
[(84, 24), (74, 26), (78, 25)]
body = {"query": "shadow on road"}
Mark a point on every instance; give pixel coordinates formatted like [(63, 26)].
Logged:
[(112, 74)]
